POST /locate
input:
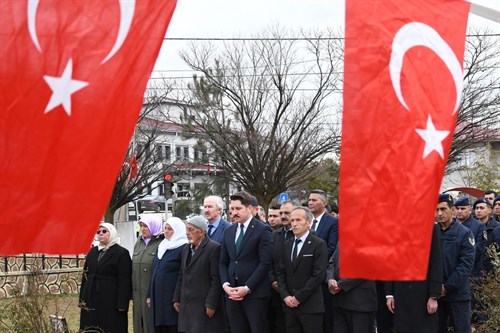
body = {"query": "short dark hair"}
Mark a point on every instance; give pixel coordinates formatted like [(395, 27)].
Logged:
[(277, 206), (490, 192), (244, 197)]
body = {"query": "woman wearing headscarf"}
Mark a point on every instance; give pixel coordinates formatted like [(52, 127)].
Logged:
[(142, 260), (106, 284), (166, 265)]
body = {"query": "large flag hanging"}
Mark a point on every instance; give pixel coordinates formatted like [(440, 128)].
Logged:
[(73, 76), (402, 90)]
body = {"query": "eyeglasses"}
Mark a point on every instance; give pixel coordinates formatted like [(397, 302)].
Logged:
[(103, 231)]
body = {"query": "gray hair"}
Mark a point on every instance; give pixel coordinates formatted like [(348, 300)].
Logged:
[(218, 201), (309, 215)]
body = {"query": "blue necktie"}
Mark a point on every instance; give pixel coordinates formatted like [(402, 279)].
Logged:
[(210, 230)]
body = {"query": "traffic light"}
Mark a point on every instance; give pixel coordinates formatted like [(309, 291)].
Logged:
[(168, 185)]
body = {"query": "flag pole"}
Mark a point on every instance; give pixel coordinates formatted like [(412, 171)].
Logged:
[(485, 12)]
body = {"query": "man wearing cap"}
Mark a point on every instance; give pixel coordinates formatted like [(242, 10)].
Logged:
[(198, 297), (212, 209), (482, 209), (463, 213), (245, 261), (458, 253)]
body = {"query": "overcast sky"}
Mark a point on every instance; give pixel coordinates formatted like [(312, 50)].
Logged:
[(244, 18)]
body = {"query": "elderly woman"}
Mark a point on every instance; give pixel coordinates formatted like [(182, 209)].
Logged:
[(142, 260), (166, 265), (106, 284)]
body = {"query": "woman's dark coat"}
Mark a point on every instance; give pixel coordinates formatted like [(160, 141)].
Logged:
[(162, 286), (106, 287)]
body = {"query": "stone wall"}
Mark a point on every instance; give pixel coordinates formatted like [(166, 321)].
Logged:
[(54, 274)]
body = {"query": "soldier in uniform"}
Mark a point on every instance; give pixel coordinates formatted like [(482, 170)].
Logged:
[(458, 250), (496, 208), (483, 210), (463, 211)]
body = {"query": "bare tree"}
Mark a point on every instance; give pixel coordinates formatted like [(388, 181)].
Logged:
[(480, 108), (266, 106), (143, 166)]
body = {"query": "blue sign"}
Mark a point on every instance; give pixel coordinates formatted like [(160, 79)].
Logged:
[(283, 197)]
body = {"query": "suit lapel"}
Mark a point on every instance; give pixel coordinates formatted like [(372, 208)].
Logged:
[(109, 253)]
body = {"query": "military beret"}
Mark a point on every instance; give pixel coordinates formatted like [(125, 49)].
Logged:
[(199, 222), (445, 198), (497, 198), (481, 200), (463, 201)]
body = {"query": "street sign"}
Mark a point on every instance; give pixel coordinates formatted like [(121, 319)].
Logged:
[(283, 197)]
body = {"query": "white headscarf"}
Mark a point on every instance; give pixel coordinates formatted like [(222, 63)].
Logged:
[(179, 237), (113, 236)]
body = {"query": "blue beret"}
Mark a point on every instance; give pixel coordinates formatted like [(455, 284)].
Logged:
[(481, 200), (445, 198), (463, 201), (497, 198)]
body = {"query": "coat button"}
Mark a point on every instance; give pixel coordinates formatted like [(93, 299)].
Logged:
[(145, 269), (236, 261)]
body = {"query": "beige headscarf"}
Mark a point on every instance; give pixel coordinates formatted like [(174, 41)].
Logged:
[(113, 236), (179, 237)]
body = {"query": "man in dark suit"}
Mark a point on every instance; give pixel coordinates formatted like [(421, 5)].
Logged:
[(300, 275), (414, 303), (326, 227), (245, 262), (354, 300), (212, 209), (277, 316)]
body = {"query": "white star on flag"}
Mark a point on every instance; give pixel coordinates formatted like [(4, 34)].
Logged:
[(433, 138), (62, 88)]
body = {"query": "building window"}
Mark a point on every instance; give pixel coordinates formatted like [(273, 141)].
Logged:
[(178, 152), (168, 154), (159, 152), (186, 153)]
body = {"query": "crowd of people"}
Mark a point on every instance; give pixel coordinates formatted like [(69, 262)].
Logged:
[(279, 272)]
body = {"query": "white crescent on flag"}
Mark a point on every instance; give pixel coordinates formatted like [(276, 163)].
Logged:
[(419, 34), (127, 8)]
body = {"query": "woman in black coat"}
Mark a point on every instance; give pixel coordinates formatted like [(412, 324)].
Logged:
[(106, 284), (166, 267)]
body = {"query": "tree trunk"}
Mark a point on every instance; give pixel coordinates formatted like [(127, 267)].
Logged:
[(109, 216)]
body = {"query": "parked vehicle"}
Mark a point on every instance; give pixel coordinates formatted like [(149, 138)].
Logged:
[(155, 203)]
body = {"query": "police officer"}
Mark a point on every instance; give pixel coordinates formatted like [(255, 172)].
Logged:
[(463, 211), (483, 210), (496, 208), (458, 253)]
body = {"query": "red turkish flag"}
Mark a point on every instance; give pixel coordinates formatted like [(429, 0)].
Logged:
[(402, 88), (73, 76)]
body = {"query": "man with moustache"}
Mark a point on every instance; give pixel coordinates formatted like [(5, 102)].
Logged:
[(198, 297), (212, 209), (245, 262), (300, 275), (276, 315), (496, 208)]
